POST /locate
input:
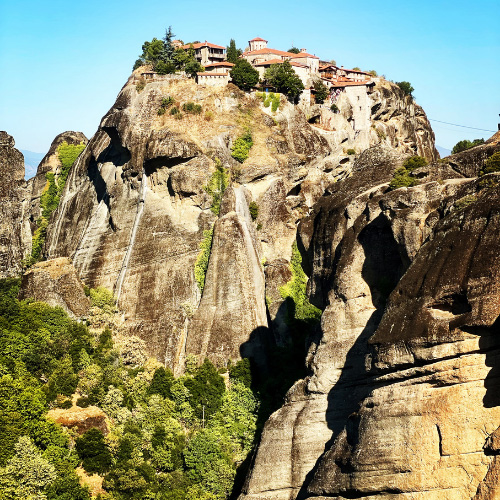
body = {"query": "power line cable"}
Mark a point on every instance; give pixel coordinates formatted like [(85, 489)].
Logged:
[(463, 126)]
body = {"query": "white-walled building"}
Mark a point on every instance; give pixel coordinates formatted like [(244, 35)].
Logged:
[(206, 52), (212, 79)]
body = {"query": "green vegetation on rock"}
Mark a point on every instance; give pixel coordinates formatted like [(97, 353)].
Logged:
[(254, 209), (492, 164), (321, 91), (169, 438), (465, 144), (49, 200), (406, 87), (201, 265), (295, 290), (192, 108), (402, 176), (241, 147), (217, 185)]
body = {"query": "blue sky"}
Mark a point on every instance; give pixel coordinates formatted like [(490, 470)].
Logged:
[(62, 63)]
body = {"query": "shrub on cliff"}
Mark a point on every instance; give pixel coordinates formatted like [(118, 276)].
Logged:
[(402, 176), (243, 75), (201, 265), (217, 185), (492, 164), (321, 91), (254, 210), (465, 144), (241, 147), (406, 87)]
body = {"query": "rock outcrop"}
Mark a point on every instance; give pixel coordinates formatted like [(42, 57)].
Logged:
[(55, 282), (235, 283), (50, 164), (401, 395), (135, 209), (15, 235)]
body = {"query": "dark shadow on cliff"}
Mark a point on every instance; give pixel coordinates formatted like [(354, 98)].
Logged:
[(274, 369), (382, 269), (116, 152), (489, 343)]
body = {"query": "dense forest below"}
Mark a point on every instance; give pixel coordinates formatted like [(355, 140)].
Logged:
[(168, 438)]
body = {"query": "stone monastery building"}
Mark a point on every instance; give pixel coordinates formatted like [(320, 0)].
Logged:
[(307, 66)]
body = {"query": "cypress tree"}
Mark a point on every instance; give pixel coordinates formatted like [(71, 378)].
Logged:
[(168, 48), (232, 52)]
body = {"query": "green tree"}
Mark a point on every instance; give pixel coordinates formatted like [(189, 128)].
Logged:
[(284, 79), (208, 464), (181, 58), (233, 53), (206, 389), (406, 87), (241, 372), (161, 383), (165, 68), (321, 91), (167, 54), (294, 50), (93, 452), (243, 75), (192, 67), (402, 176), (152, 51), (28, 473), (465, 144)]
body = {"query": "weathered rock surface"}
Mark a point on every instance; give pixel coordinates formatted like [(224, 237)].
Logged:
[(55, 282), (134, 210), (50, 164), (233, 306), (15, 235), (401, 396)]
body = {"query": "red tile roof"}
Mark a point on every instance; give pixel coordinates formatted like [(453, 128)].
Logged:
[(219, 64), (304, 54), (348, 84), (268, 51), (258, 40), (202, 44), (325, 66), (206, 73), (355, 71), (279, 61)]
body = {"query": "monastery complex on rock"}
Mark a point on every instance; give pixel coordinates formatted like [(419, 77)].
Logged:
[(307, 66)]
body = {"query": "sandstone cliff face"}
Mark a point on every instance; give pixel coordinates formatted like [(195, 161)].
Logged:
[(15, 235), (233, 301), (50, 164), (401, 396), (56, 283), (134, 211)]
